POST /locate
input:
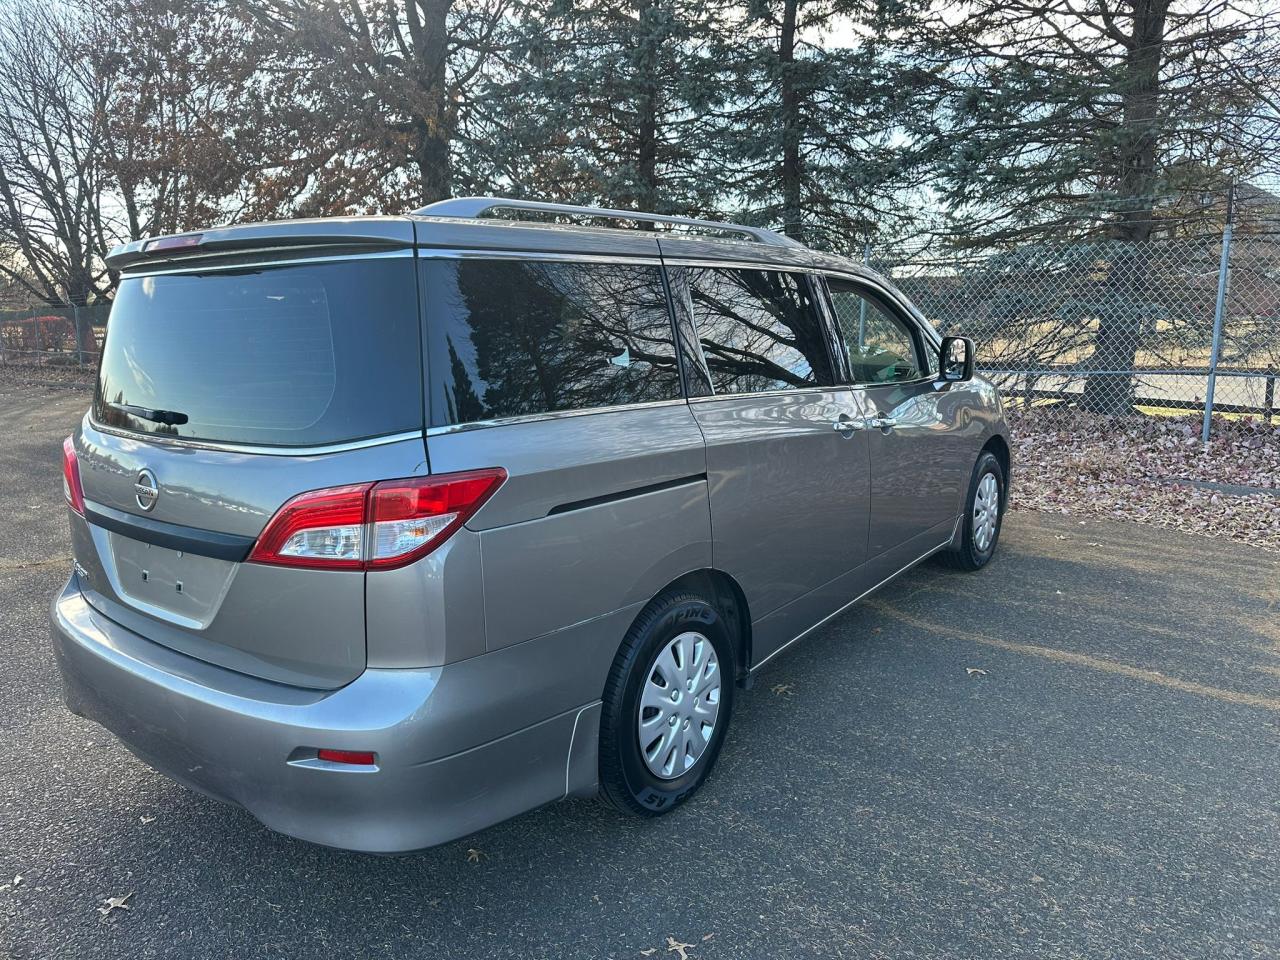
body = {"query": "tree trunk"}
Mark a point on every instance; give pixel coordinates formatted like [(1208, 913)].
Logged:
[(431, 156), (1120, 325), (791, 164), (436, 120)]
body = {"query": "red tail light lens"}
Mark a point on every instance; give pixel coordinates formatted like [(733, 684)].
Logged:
[(322, 528), (71, 488), (373, 525), (410, 518)]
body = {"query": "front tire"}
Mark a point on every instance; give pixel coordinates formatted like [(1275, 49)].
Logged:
[(983, 515), (667, 704)]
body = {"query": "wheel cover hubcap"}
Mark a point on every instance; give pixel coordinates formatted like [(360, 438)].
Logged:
[(986, 511), (679, 703)]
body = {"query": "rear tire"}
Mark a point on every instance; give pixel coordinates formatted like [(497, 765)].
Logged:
[(983, 516), (667, 704)]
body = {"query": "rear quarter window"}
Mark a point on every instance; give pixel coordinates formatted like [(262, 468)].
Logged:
[(509, 338), (298, 355)]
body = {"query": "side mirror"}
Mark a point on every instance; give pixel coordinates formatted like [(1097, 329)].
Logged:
[(956, 360)]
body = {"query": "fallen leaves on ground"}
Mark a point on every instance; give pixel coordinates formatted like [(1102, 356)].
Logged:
[(1075, 463), (783, 689), (675, 946), (475, 856), (975, 672), (110, 904)]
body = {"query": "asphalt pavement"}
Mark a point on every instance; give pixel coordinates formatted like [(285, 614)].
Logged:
[(1073, 753)]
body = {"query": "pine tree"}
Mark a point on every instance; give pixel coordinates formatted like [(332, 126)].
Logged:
[(812, 134), (1061, 120), (604, 104)]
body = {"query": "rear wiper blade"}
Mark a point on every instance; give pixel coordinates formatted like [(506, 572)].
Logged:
[(168, 417)]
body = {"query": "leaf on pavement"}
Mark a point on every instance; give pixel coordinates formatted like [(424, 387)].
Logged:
[(110, 904), (675, 946), (475, 856), (975, 671)]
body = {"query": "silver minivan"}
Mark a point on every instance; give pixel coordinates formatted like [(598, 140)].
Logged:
[(390, 528)]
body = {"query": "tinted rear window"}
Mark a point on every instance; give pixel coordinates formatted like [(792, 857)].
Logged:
[(760, 330), (510, 338), (290, 356)]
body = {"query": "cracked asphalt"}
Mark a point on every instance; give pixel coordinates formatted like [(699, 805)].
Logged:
[(1073, 753)]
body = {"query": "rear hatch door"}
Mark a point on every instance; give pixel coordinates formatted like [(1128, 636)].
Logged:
[(231, 382)]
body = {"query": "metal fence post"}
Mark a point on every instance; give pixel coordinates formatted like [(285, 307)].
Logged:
[(862, 303), (1224, 270)]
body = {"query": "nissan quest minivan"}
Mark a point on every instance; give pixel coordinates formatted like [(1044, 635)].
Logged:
[(390, 528)]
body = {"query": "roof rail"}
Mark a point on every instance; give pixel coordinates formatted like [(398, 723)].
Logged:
[(479, 206)]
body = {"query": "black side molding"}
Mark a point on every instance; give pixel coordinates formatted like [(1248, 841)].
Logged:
[(627, 494), (206, 543)]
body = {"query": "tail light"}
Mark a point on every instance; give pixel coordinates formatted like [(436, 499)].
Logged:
[(373, 526), (71, 488)]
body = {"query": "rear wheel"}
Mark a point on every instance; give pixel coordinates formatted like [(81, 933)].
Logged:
[(667, 705), (984, 511)]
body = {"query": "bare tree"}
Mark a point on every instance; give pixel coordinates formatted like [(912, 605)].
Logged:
[(185, 125), (376, 91), (52, 180)]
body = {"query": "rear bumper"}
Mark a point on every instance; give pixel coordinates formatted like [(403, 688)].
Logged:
[(252, 742)]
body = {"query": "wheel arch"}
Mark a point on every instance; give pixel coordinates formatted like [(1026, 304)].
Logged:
[(726, 594), (998, 447)]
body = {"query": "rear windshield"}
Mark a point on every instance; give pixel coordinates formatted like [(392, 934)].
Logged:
[(282, 356)]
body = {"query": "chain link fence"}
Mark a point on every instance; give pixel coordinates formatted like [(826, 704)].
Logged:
[(1187, 322), (52, 341)]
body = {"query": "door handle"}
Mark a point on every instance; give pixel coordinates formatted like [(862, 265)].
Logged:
[(883, 423), (845, 425)]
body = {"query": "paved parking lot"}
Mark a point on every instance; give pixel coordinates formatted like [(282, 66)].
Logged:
[(1075, 753)]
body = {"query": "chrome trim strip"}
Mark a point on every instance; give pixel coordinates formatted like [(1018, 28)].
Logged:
[(840, 388), (459, 253), (743, 264), (208, 267), (265, 451), (553, 415), (804, 633)]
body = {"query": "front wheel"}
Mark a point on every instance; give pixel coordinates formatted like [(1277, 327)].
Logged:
[(984, 510), (666, 705)]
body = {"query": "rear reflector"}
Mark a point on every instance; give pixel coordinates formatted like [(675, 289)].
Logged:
[(354, 757), (71, 488), (373, 525)]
